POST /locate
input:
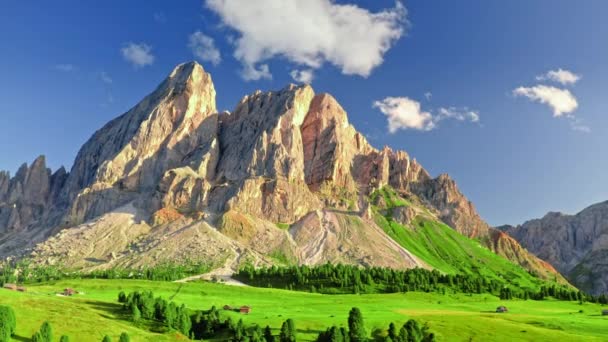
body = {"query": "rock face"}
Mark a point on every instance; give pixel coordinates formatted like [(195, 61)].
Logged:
[(173, 165), (577, 245)]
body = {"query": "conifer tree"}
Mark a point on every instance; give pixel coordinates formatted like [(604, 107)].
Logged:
[(356, 326)]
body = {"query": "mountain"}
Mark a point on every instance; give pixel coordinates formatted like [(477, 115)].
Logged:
[(283, 178), (576, 244)]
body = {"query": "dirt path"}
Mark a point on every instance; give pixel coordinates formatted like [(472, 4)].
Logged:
[(224, 273)]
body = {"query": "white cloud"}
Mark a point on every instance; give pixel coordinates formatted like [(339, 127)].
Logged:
[(405, 113), (105, 78), (65, 67), (139, 55), (560, 100), (562, 76), (460, 114), (303, 76), (203, 48), (309, 33)]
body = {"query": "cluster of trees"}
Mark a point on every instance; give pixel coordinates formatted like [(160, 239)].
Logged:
[(199, 324), (330, 279), (45, 334), (144, 305), (411, 331), (23, 272)]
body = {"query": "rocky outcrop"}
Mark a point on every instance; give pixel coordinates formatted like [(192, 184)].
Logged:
[(26, 198), (577, 245), (453, 207), (174, 165), (129, 155)]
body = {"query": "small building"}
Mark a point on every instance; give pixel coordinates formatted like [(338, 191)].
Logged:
[(227, 307), (502, 309), (245, 309), (604, 312), (21, 288), (69, 292), (10, 286)]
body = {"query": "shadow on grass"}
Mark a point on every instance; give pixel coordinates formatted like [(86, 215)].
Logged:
[(115, 311), (20, 338)]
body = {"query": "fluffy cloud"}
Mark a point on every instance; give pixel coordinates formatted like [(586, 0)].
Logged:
[(302, 76), (203, 47), (309, 33), (139, 55), (560, 100), (562, 76), (405, 113)]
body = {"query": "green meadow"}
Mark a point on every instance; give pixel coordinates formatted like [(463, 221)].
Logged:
[(452, 317)]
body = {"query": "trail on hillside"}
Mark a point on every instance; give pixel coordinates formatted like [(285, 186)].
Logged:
[(224, 273)]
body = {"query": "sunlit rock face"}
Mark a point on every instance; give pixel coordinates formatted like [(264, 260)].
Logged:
[(173, 172)]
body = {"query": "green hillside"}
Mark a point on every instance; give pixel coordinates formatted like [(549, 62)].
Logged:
[(89, 316), (443, 248)]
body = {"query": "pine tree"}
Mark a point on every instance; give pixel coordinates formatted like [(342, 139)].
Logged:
[(356, 326), (288, 331), (135, 313), (46, 332), (64, 338), (392, 332), (124, 337), (106, 339), (414, 332), (268, 334), (184, 322)]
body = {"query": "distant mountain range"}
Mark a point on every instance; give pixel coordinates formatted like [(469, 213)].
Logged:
[(284, 178), (577, 245)]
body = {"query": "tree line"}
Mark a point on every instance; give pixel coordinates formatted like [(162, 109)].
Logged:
[(341, 279), (23, 272)]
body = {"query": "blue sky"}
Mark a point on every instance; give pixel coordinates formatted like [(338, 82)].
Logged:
[(65, 74)]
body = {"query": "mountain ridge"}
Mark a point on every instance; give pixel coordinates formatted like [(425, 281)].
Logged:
[(576, 244), (177, 171)]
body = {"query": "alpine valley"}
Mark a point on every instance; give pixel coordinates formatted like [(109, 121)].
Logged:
[(285, 196)]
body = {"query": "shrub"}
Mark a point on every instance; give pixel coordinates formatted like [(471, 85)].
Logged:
[(8, 322)]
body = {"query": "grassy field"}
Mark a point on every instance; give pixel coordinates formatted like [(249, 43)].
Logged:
[(89, 316)]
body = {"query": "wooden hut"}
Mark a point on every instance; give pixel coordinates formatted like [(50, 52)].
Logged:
[(227, 307), (69, 292), (604, 312), (10, 286), (245, 309), (21, 288)]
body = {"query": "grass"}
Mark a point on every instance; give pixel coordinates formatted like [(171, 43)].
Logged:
[(452, 317), (281, 225), (446, 250)]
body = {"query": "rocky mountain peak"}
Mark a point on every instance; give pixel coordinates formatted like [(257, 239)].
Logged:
[(280, 157)]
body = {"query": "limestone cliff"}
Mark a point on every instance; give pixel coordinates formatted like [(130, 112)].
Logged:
[(174, 173), (577, 245)]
